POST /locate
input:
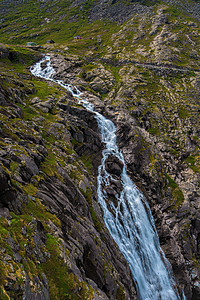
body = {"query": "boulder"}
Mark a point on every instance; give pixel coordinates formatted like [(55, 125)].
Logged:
[(114, 166)]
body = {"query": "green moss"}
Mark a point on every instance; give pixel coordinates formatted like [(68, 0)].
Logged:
[(120, 295), (171, 182), (45, 89), (173, 12), (29, 113), (174, 151), (2, 273), (191, 162), (30, 189), (154, 131), (88, 195), (87, 160), (52, 244), (36, 209), (150, 2), (31, 267), (75, 142), (180, 196), (3, 294), (49, 166), (177, 194), (3, 229), (115, 71), (87, 5), (62, 283), (183, 113), (88, 67), (13, 167)]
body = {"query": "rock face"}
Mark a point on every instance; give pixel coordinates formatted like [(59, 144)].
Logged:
[(53, 241), (113, 166), (144, 75), (168, 182)]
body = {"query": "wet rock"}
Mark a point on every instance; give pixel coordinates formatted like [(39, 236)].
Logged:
[(112, 195), (114, 166), (44, 64)]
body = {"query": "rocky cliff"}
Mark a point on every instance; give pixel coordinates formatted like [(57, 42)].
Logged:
[(143, 73), (163, 169), (53, 240)]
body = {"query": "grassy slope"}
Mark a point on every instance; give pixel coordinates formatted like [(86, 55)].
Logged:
[(35, 22), (169, 101), (62, 283), (164, 102)]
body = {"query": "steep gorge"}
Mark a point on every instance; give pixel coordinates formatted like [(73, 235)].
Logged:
[(143, 75), (174, 202), (53, 240)]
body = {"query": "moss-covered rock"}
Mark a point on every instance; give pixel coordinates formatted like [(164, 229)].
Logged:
[(53, 242)]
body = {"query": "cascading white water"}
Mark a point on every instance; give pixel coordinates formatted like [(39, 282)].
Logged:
[(130, 221)]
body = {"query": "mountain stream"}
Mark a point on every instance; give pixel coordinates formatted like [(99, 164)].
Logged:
[(129, 220)]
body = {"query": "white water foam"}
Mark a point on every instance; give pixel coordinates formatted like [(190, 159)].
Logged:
[(130, 222)]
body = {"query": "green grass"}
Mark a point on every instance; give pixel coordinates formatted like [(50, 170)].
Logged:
[(173, 12), (177, 195), (49, 166), (150, 2), (3, 294), (98, 225), (87, 160), (45, 89), (120, 295), (191, 162), (183, 113), (171, 182), (2, 273), (62, 282), (154, 131), (29, 113), (63, 26)]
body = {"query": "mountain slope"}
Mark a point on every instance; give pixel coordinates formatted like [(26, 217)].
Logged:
[(53, 244), (139, 64), (61, 20)]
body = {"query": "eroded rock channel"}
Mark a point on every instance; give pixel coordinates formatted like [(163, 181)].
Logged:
[(149, 163), (53, 234), (130, 223)]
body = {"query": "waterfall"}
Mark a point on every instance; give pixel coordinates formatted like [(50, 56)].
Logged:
[(129, 219)]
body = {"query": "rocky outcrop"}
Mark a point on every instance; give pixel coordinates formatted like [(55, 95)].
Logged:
[(144, 75), (168, 183), (53, 241)]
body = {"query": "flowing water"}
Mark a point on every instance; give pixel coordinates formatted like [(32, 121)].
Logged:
[(129, 219)]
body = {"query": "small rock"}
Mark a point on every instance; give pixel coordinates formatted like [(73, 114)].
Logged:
[(114, 165), (50, 42)]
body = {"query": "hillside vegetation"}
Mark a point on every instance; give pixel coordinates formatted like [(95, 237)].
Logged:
[(138, 62)]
